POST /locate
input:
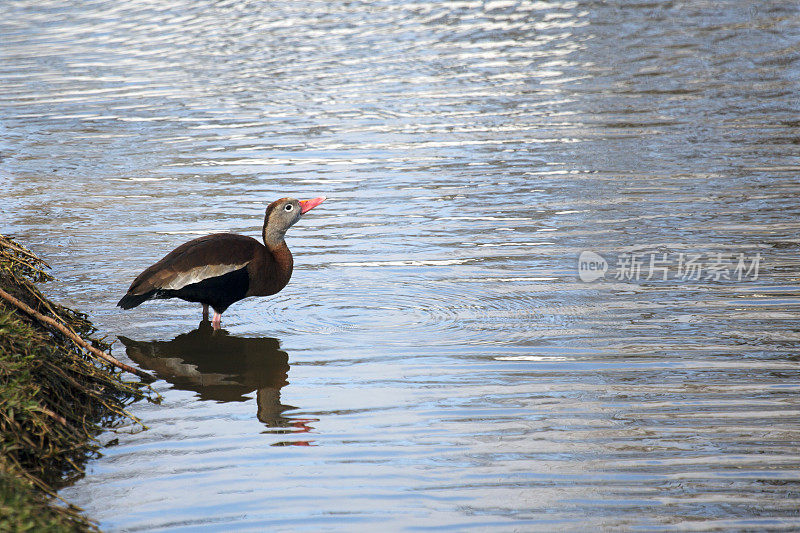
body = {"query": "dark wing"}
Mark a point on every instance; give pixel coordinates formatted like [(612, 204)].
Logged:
[(192, 262)]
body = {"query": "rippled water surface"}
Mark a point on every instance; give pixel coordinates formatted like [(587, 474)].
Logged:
[(436, 361)]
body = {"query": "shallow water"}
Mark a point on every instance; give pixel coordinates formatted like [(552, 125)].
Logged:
[(436, 361)]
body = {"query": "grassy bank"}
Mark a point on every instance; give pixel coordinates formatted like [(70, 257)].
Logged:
[(56, 395)]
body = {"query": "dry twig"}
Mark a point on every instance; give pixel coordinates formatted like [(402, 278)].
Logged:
[(74, 337)]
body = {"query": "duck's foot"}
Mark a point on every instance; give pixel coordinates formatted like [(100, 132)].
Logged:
[(217, 320), (205, 312)]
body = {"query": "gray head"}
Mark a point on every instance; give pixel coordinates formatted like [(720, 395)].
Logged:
[(282, 215)]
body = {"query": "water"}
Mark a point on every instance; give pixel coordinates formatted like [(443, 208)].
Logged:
[(435, 362)]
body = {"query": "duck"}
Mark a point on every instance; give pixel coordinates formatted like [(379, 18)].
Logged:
[(220, 269)]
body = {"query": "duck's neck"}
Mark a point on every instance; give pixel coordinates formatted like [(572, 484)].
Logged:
[(279, 270), (273, 238), (284, 262), (271, 270)]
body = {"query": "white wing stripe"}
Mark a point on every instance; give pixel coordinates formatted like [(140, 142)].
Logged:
[(200, 273)]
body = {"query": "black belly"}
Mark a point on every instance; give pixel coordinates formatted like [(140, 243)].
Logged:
[(219, 292)]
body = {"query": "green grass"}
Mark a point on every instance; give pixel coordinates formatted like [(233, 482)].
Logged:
[(54, 399), (23, 508)]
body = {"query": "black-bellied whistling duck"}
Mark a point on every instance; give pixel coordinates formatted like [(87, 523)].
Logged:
[(223, 268)]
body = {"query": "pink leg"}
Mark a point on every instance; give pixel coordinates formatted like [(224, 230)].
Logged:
[(205, 312), (217, 320)]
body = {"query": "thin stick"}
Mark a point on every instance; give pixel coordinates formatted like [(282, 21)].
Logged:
[(54, 416), (75, 338)]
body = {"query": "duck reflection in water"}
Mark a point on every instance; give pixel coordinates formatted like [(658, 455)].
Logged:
[(225, 368)]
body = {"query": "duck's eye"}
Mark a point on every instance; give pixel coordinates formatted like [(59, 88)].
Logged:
[(289, 207)]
